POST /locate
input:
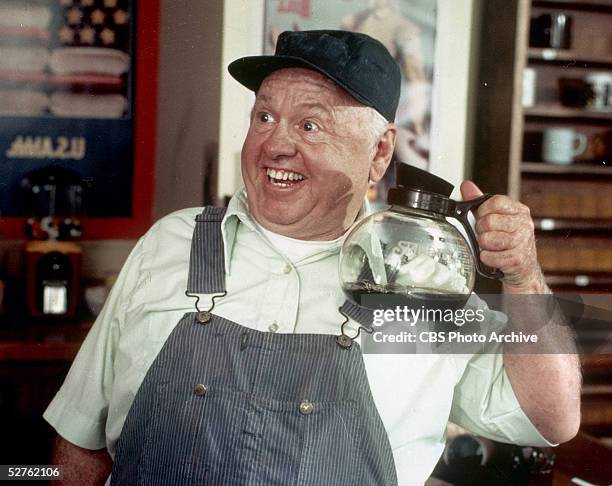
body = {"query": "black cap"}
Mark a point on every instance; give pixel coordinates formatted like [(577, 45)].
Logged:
[(359, 64)]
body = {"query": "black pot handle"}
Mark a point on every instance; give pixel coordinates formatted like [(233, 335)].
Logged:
[(460, 213)]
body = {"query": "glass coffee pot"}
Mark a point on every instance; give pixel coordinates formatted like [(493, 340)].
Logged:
[(410, 251)]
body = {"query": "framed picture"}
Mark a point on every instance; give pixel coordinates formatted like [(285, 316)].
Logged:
[(77, 108)]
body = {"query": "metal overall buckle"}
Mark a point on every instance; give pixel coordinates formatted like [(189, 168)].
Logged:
[(204, 316), (344, 340)]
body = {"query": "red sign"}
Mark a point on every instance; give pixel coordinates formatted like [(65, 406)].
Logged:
[(299, 7)]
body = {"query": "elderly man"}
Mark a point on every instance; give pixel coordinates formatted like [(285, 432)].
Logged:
[(250, 386)]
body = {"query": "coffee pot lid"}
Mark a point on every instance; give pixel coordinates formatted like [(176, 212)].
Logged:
[(418, 189), (411, 177)]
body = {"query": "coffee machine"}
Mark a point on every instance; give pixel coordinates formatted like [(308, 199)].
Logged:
[(52, 196)]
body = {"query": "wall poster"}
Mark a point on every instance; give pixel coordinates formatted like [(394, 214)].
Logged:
[(406, 27), (67, 99)]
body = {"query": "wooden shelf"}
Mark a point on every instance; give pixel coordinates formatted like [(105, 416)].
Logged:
[(583, 457), (579, 225), (596, 366), (559, 111), (565, 56), (597, 5), (597, 389), (570, 169), (569, 202), (28, 351), (579, 280), (43, 342)]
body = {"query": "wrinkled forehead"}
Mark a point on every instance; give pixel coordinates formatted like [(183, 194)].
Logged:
[(305, 82)]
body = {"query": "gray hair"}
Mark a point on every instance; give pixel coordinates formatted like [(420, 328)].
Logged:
[(376, 125)]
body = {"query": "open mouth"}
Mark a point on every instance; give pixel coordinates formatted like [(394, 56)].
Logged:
[(283, 178)]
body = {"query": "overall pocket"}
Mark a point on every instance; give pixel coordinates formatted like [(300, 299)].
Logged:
[(192, 435), (306, 442)]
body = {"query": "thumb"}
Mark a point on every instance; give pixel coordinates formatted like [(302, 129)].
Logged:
[(469, 190)]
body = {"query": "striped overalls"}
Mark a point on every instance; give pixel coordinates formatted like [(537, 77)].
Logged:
[(223, 404)]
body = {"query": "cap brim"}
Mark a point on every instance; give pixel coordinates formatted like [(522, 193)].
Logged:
[(251, 71)]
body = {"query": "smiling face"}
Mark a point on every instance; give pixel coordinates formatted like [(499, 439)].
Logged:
[(309, 154)]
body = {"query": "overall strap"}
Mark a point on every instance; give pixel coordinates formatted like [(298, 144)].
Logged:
[(207, 263), (207, 259), (358, 313), (361, 315)]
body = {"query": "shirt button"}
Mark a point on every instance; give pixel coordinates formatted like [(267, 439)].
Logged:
[(306, 407), (287, 268), (200, 389), (273, 327)]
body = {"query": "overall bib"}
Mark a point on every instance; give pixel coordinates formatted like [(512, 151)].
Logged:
[(223, 404)]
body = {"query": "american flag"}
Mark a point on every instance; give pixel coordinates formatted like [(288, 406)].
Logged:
[(102, 23), (65, 58)]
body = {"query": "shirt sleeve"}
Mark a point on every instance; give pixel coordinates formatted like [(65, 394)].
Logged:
[(484, 402), (79, 409)]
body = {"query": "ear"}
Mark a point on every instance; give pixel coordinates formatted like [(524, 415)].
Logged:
[(383, 153)]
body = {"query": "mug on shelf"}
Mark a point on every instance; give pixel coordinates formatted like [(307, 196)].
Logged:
[(599, 148), (599, 90), (552, 30), (573, 92), (562, 145)]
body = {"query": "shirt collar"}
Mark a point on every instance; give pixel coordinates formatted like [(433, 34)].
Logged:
[(238, 212)]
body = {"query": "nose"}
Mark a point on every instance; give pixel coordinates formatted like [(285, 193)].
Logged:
[(279, 142)]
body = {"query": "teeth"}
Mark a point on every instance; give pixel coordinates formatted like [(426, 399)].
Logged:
[(283, 175)]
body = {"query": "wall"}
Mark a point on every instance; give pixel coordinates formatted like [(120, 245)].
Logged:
[(189, 105), (454, 68), (243, 27)]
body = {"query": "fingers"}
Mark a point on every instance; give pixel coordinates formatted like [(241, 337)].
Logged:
[(469, 190), (500, 240), (500, 232), (496, 204), (502, 205), (503, 222), (520, 270), (507, 242), (498, 260), (509, 261)]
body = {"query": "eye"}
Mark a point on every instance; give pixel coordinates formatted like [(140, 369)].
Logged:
[(265, 117), (309, 126)]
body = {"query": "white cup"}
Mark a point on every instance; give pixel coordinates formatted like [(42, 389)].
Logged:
[(561, 145)]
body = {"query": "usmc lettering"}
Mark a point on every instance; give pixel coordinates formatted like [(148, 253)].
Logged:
[(26, 147)]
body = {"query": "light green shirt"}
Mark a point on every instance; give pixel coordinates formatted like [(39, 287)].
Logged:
[(415, 394)]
